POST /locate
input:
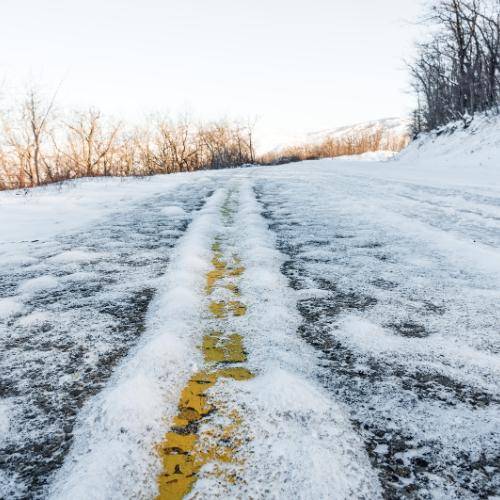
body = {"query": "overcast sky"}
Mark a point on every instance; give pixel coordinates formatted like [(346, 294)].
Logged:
[(296, 66)]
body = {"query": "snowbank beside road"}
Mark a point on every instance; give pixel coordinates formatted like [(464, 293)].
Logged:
[(369, 156), (452, 155), (476, 147)]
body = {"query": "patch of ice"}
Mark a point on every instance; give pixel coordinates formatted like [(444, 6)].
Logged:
[(80, 276), (4, 420), (10, 306), (39, 284), (173, 211), (77, 256), (35, 319)]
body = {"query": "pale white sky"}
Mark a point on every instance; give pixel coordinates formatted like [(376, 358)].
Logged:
[(296, 65)]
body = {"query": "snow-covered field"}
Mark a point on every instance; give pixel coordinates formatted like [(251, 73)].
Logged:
[(370, 326)]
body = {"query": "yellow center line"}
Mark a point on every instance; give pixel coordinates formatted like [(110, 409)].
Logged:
[(185, 448)]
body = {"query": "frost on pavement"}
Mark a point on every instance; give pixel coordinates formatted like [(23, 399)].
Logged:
[(398, 275)]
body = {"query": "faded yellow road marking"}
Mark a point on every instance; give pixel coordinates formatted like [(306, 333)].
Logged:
[(223, 350), (185, 449), (181, 452), (221, 309)]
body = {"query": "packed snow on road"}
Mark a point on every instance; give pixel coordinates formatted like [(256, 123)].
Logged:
[(325, 329)]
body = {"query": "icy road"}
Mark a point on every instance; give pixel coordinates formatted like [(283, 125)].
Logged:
[(323, 330)]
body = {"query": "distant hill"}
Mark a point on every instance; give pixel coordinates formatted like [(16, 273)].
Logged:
[(388, 135), (394, 132), (391, 129)]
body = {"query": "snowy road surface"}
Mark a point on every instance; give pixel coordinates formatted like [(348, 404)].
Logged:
[(319, 330)]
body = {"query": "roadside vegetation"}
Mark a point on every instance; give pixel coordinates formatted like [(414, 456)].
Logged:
[(331, 147), (457, 70), (455, 75), (40, 144)]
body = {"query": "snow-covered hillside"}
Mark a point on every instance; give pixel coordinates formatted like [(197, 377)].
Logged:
[(392, 130), (454, 146), (324, 329), (389, 127)]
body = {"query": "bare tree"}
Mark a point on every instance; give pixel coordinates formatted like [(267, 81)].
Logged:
[(35, 148), (330, 147), (456, 73), (88, 143), (26, 135)]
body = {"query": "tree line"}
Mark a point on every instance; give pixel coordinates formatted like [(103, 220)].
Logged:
[(457, 70), (331, 147), (39, 145)]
